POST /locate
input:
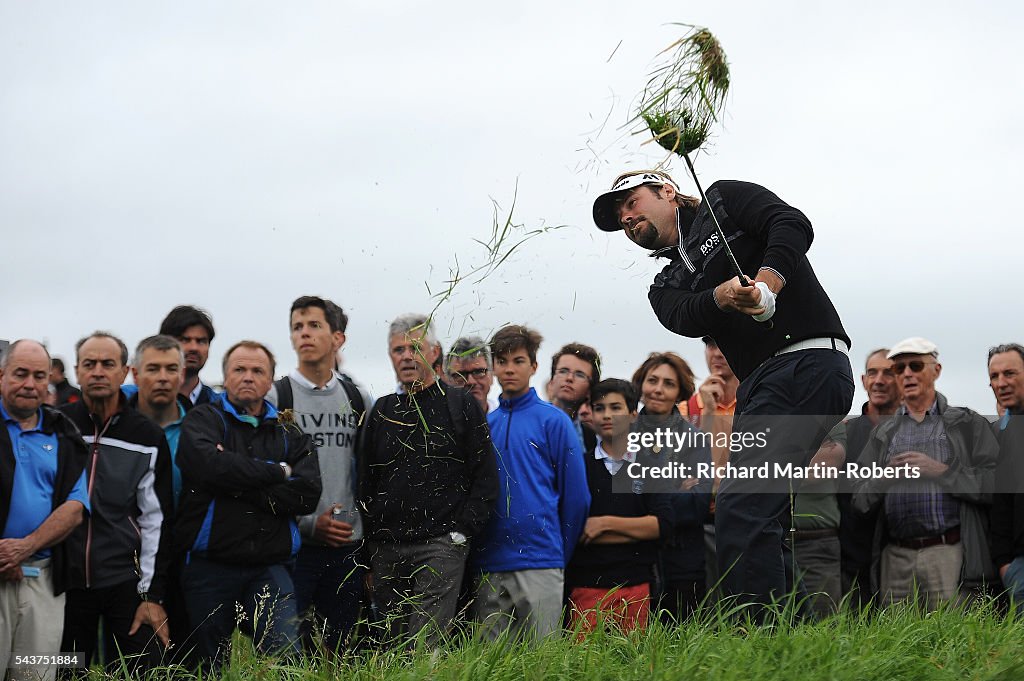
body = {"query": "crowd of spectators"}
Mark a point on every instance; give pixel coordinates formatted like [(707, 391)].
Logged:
[(143, 523)]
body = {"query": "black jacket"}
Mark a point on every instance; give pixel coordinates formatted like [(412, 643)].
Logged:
[(763, 231), (1007, 513), (856, 530), (236, 506), (72, 453), (67, 393), (421, 473), (127, 534)]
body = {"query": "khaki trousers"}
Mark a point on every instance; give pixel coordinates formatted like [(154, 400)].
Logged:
[(526, 603), (932, 573), (31, 623)]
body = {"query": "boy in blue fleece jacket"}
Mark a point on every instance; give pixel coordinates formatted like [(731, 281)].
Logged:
[(543, 499)]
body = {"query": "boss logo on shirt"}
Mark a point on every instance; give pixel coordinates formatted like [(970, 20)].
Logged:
[(709, 245)]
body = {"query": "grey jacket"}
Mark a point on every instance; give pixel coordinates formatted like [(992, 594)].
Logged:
[(970, 479)]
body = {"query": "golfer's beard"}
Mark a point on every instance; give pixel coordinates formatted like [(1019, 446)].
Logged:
[(646, 235)]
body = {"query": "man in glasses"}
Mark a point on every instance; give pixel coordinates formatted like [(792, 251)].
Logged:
[(574, 369), (932, 500), (468, 365), (776, 326)]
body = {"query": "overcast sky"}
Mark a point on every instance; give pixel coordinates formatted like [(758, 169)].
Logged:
[(236, 155)]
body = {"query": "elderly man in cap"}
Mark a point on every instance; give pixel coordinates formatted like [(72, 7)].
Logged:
[(933, 496), (776, 327)]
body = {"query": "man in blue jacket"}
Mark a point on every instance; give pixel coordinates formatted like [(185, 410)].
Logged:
[(542, 504)]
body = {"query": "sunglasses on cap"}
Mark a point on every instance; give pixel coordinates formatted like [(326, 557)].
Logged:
[(916, 366)]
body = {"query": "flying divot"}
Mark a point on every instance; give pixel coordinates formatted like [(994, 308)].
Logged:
[(684, 98)]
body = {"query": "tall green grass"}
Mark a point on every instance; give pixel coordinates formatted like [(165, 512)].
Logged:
[(898, 642)]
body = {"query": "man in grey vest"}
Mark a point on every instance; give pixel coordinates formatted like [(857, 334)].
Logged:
[(329, 569)]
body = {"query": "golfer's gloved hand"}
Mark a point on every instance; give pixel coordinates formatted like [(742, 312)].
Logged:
[(767, 302)]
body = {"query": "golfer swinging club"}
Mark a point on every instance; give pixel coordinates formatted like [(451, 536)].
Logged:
[(795, 366)]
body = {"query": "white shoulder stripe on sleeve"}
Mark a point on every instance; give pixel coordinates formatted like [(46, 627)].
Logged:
[(148, 450)]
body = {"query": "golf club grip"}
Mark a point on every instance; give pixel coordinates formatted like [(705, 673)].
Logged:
[(746, 282)]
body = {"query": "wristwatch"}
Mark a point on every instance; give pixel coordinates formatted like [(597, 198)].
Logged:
[(148, 599)]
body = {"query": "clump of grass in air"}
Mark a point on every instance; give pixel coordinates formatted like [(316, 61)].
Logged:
[(686, 94)]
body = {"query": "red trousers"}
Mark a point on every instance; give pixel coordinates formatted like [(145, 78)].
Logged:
[(625, 607)]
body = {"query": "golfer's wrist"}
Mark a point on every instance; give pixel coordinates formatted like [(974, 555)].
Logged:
[(714, 296), (771, 276)]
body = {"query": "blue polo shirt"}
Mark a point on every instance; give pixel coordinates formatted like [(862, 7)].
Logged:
[(172, 431), (35, 469)]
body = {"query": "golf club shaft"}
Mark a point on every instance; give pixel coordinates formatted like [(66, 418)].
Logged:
[(718, 227)]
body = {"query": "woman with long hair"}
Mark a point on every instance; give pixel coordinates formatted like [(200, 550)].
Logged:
[(663, 381)]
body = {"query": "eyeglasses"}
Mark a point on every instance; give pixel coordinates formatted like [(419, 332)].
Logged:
[(917, 366), (464, 376), (565, 372)]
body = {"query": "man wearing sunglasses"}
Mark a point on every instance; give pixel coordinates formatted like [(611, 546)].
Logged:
[(776, 326), (932, 538)]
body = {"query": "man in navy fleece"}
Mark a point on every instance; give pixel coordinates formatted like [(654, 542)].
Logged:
[(542, 503)]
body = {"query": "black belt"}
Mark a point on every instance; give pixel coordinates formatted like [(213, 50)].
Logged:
[(947, 537), (798, 535)]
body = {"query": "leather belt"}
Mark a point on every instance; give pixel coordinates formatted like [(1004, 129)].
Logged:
[(799, 535), (825, 343), (947, 537)]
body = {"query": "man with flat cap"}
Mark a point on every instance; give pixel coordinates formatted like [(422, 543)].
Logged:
[(779, 331), (931, 539)]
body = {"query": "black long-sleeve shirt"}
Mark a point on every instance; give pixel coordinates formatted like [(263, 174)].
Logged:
[(763, 231), (422, 476)]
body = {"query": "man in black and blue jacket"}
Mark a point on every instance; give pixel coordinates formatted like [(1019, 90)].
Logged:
[(121, 552), (247, 473)]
